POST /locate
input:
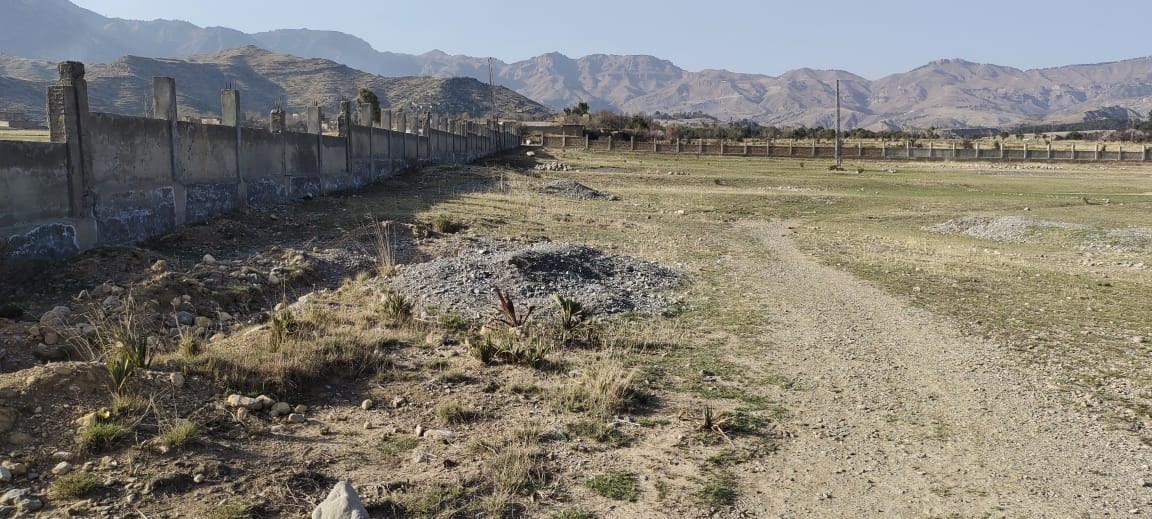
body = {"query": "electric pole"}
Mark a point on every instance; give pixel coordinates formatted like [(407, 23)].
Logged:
[(837, 123), (492, 89)]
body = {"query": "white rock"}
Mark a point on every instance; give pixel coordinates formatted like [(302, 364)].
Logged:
[(177, 379), (62, 468), (367, 404), (300, 409), (208, 259), (202, 322), (266, 402), (296, 418), (244, 402), (342, 503), (62, 456)]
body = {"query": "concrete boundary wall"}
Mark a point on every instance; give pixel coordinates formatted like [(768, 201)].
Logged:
[(109, 179), (800, 150)]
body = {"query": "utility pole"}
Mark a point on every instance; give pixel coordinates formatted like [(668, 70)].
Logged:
[(837, 123), (492, 89)]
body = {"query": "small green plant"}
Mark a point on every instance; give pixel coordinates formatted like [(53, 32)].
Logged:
[(719, 490), (572, 513), (397, 308), (384, 245), (74, 486), (575, 320), (603, 389), (621, 486), (177, 434), (284, 325), (452, 412), (234, 509), (508, 346), (102, 435), (393, 447), (120, 370), (506, 313), (444, 224)]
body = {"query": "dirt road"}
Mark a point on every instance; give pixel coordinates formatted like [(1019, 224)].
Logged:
[(898, 415)]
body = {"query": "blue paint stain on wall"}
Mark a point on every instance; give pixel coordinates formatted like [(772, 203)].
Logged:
[(208, 200), (130, 216), (54, 240)]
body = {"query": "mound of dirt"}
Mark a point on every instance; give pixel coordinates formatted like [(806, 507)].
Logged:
[(531, 273), (572, 189), (999, 228), (1131, 240)]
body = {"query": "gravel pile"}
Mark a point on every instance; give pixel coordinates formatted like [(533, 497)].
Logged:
[(999, 228), (553, 166), (575, 190), (1133, 240), (531, 273)]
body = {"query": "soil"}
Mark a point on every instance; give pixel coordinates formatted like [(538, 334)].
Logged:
[(894, 412)]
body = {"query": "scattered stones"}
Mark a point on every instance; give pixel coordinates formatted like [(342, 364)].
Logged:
[(342, 503), (17, 469), (398, 402), (266, 402), (300, 409), (297, 418), (62, 468), (553, 166), (575, 190)]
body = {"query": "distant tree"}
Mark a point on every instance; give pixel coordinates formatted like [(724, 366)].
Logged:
[(366, 96), (579, 109), (1003, 135)]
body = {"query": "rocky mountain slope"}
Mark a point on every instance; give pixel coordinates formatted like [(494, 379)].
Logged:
[(264, 79), (947, 93)]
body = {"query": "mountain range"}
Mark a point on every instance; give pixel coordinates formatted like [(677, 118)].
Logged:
[(946, 93), (265, 79)]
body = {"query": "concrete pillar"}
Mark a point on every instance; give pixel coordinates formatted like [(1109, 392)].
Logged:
[(908, 147), (789, 147), (344, 122), (230, 116), (1049, 154), (386, 119), (276, 120), (1025, 151), (745, 148), (609, 142), (164, 98), (1073, 151), (679, 145), (585, 142), (402, 121), (721, 147), (365, 112), (883, 150), (68, 123), (700, 147), (563, 140), (1096, 153), (315, 120), (230, 107)]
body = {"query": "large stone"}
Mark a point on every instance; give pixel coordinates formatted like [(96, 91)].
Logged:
[(245, 402), (12, 496), (342, 503)]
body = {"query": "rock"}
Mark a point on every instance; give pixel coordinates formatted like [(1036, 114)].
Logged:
[(63, 456), (19, 438), (266, 402), (159, 266), (342, 503), (51, 338), (198, 478), (177, 379), (185, 318), (29, 505), (12, 496), (531, 154), (281, 408), (50, 353), (202, 322), (62, 468), (278, 429), (280, 307), (244, 402), (111, 303), (300, 409), (18, 469), (224, 317), (56, 317), (438, 434), (242, 414), (274, 280), (5, 475), (85, 329), (367, 404), (296, 418), (208, 259), (399, 402)]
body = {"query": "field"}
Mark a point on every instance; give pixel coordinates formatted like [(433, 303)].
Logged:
[(766, 338), (24, 135)]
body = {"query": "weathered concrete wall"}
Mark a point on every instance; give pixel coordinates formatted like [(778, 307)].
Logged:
[(129, 150), (33, 182), (110, 179)]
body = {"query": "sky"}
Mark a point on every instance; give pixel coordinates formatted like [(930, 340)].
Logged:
[(868, 38)]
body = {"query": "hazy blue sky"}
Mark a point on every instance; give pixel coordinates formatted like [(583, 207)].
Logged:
[(870, 38)]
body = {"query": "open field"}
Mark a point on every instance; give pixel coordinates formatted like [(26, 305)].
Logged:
[(24, 135), (958, 341)]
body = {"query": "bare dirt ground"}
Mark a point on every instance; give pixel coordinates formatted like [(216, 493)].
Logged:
[(828, 396), (903, 416)]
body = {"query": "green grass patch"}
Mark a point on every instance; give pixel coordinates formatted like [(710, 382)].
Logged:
[(621, 486)]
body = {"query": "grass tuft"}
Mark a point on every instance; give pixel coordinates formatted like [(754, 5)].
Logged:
[(74, 485), (621, 486)]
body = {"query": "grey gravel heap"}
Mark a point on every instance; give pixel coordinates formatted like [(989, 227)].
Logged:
[(575, 190), (531, 273)]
